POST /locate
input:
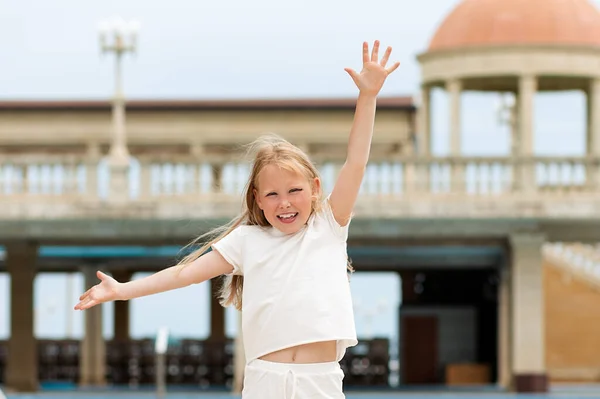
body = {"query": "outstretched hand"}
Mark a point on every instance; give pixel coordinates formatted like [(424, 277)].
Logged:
[(374, 72), (107, 290)]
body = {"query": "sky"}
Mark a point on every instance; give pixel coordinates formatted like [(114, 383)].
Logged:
[(192, 49)]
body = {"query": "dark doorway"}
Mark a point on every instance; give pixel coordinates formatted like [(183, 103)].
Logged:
[(448, 318), (420, 358)]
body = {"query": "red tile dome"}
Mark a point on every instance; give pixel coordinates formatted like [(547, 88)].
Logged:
[(475, 23)]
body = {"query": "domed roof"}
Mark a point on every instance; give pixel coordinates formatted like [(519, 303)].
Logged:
[(517, 22)]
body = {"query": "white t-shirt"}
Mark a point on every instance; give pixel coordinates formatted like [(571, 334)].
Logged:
[(296, 288)]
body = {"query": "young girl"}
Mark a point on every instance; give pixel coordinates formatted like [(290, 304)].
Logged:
[(285, 260)]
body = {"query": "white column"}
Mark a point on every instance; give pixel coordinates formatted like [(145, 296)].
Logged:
[(92, 353), (423, 144), (454, 89), (527, 300), (424, 122), (527, 90), (593, 131)]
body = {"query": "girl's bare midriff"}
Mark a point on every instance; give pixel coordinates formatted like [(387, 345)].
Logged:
[(317, 352)]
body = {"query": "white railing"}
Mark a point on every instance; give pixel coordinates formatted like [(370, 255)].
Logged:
[(219, 181), (581, 260)]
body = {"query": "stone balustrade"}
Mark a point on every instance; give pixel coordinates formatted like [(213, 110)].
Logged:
[(43, 185), (581, 260)]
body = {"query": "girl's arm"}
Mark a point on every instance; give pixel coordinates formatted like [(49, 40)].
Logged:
[(369, 82), (204, 268)]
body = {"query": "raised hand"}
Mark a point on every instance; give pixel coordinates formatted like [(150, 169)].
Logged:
[(107, 290), (374, 72)]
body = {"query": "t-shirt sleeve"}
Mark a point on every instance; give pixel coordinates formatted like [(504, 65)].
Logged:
[(231, 248), (340, 231)]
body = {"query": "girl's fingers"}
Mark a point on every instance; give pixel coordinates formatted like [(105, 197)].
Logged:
[(81, 304), (365, 52), (352, 74), (90, 304), (393, 68), (386, 56), (85, 294), (86, 305), (375, 54), (90, 297)]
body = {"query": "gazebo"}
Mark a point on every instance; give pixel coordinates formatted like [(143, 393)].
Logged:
[(518, 47)]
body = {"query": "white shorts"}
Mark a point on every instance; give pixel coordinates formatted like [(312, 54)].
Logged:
[(269, 380)]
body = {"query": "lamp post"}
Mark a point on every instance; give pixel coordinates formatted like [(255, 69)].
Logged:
[(119, 37), (506, 114)]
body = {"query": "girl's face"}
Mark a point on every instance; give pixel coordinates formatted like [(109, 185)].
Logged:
[(285, 197)]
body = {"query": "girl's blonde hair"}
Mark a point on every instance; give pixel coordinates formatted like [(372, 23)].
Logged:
[(266, 150)]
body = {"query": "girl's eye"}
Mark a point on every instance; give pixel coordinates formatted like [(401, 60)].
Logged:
[(293, 190), (271, 194)]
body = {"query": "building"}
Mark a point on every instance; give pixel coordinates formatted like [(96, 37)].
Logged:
[(472, 253)]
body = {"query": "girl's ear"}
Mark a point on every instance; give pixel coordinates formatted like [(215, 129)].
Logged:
[(316, 186), (257, 198)]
